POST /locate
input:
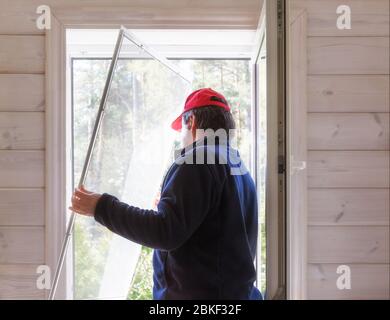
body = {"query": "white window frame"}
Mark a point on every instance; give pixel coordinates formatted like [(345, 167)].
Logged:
[(267, 32), (58, 156), (285, 251), (296, 33), (58, 143)]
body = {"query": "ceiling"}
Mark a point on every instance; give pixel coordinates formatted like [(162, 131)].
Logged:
[(20, 15)]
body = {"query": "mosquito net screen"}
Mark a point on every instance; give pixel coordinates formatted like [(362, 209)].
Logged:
[(133, 149)]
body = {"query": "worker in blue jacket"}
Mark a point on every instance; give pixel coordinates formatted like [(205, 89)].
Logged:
[(204, 231)]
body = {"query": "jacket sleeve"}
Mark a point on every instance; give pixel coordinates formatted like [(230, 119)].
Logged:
[(187, 197)]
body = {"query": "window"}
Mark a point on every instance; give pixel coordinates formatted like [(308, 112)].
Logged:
[(64, 44), (143, 99)]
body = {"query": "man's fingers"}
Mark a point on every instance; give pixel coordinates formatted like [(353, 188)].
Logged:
[(83, 201), (80, 193), (80, 204), (75, 210), (76, 200)]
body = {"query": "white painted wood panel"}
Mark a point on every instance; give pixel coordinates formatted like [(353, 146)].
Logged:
[(22, 130), (21, 245), (18, 281), (364, 169), (348, 207), (345, 93), (348, 131), (368, 281), (352, 244), (297, 151), (22, 54), (22, 207), (348, 55), (22, 92), (21, 169), (369, 18)]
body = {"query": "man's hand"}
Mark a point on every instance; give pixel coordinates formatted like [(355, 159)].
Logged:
[(84, 202)]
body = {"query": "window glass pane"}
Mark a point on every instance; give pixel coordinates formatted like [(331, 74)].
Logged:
[(88, 81)]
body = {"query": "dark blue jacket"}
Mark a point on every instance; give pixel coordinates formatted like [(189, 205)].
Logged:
[(204, 230)]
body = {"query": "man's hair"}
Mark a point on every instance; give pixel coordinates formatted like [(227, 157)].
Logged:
[(211, 117)]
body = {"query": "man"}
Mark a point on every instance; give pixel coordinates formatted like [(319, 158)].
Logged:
[(204, 231)]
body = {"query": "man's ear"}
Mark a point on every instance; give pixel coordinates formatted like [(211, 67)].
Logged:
[(190, 123), (193, 125)]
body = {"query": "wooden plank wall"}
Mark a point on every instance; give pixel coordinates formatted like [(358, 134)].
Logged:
[(348, 148), (22, 104), (22, 59)]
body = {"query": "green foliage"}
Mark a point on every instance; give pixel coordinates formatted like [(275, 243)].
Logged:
[(141, 286), (92, 244)]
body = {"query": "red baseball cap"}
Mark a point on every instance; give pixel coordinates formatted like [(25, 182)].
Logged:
[(201, 98)]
